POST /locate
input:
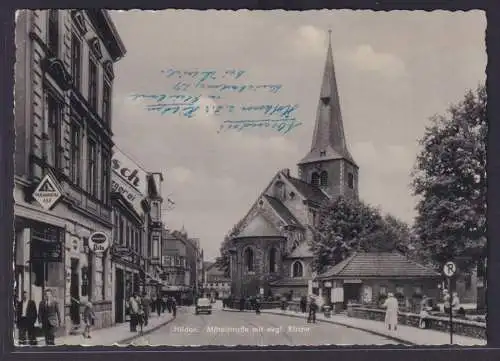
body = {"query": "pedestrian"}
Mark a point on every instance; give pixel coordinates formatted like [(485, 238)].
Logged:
[(159, 305), (165, 304), (174, 307), (303, 304), (49, 317), (146, 305), (455, 302), (391, 313), (423, 312), (283, 303), (153, 304), (242, 304), (88, 318), (26, 317), (133, 307), (257, 306), (140, 315), (168, 304), (313, 308)]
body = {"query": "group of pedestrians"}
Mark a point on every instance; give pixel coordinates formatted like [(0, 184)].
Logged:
[(140, 309), (47, 315)]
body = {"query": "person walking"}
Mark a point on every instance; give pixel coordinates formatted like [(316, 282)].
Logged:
[(174, 307), (257, 306), (26, 317), (446, 302), (146, 306), (168, 304), (391, 313), (242, 304), (159, 305), (133, 307), (49, 317), (424, 305), (303, 304), (313, 307), (164, 304), (455, 302), (88, 319), (140, 315)]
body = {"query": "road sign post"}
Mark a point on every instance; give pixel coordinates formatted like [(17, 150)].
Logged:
[(449, 270)]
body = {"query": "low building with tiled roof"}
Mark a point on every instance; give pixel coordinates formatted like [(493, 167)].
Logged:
[(270, 252), (367, 278)]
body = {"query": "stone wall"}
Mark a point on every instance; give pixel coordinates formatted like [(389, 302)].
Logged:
[(460, 327)]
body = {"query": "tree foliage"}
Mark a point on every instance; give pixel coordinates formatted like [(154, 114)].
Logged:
[(348, 225), (450, 180)]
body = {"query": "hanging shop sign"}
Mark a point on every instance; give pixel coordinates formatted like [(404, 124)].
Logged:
[(98, 242), (47, 193)]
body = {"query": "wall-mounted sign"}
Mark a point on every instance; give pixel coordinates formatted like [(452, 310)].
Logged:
[(98, 242), (128, 179), (328, 284), (47, 192)]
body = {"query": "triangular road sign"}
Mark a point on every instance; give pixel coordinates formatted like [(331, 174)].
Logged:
[(47, 193)]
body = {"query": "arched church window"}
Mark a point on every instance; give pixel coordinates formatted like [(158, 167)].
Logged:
[(273, 260), (248, 258), (297, 269), (350, 180), (323, 179), (315, 179)]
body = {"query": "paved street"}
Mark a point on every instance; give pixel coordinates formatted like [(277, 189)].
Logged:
[(235, 328)]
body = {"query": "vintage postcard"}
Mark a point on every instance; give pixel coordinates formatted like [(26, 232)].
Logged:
[(264, 178)]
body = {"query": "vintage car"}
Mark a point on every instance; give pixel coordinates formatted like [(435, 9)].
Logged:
[(203, 305)]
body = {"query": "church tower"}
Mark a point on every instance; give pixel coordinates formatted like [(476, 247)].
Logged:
[(329, 164)]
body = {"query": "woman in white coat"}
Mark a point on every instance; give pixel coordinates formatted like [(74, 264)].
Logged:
[(391, 314)]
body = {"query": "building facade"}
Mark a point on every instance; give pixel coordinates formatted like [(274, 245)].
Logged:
[(270, 253), (127, 254), (177, 272), (216, 284), (64, 81)]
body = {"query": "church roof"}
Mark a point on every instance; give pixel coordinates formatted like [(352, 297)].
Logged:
[(259, 226), (302, 251), (378, 265), (282, 211), (329, 140), (309, 191)]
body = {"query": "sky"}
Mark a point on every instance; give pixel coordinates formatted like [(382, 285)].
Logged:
[(394, 70)]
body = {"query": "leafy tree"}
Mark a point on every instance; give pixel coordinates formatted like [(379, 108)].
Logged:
[(450, 180), (348, 225)]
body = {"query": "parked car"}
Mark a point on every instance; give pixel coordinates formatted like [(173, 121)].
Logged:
[(203, 305)]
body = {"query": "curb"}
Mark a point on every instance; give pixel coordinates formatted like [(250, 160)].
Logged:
[(144, 333), (390, 337)]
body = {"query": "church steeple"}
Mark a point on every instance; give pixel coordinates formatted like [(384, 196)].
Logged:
[(329, 164), (328, 138)]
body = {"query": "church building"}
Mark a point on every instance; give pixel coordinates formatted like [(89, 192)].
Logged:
[(270, 253)]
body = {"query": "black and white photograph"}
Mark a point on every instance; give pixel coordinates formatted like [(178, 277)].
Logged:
[(255, 178)]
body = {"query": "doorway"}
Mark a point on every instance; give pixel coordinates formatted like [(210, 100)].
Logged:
[(74, 291), (352, 292), (119, 295)]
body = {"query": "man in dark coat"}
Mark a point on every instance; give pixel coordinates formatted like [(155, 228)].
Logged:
[(26, 317), (242, 304), (49, 317), (173, 305), (146, 306)]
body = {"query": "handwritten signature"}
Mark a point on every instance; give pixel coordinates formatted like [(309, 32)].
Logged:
[(280, 125), (203, 74)]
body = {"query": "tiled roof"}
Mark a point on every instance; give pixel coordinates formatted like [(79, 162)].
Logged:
[(259, 226), (309, 191), (378, 264), (302, 251), (282, 210), (289, 282)]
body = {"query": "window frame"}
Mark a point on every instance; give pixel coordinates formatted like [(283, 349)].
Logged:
[(93, 86), (105, 176), (106, 110), (315, 179), (53, 38), (350, 180), (301, 269), (54, 131), (76, 152), (92, 167), (76, 66)]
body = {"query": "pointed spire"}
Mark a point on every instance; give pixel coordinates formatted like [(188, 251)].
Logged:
[(328, 137)]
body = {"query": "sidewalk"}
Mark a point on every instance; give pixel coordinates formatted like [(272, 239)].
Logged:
[(119, 333), (404, 334)]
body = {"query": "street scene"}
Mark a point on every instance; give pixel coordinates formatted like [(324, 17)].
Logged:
[(307, 178)]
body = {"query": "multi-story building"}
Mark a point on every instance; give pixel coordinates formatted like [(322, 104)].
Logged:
[(215, 284), (177, 272), (64, 81), (127, 254)]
